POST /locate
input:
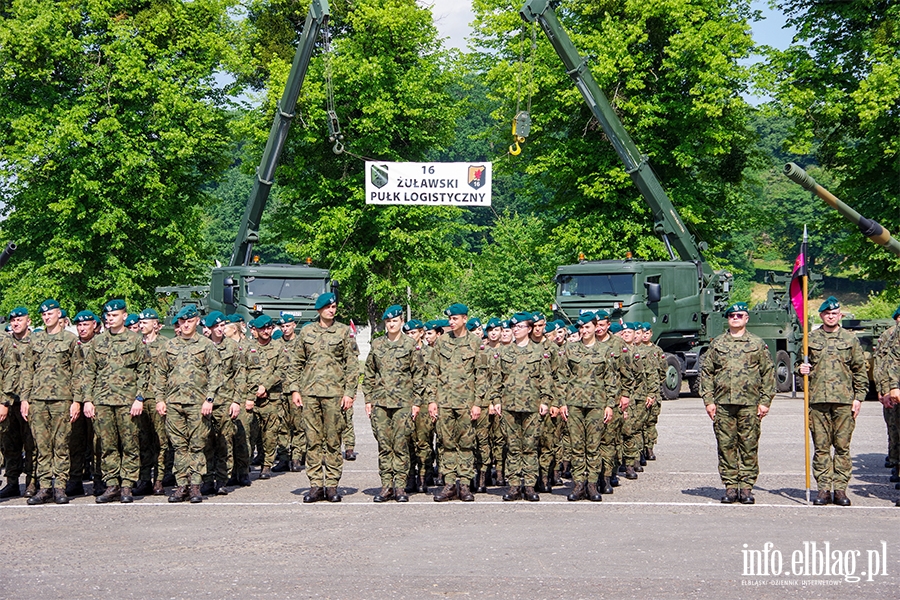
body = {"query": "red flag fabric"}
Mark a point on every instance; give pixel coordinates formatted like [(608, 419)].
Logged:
[(796, 288), (352, 328)]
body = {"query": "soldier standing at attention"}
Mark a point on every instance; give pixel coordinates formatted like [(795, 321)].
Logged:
[(188, 375), (838, 383), (483, 423), (155, 447), (116, 379), (617, 352), (548, 422), (327, 373), (393, 384), (737, 383), (890, 406), (656, 363), (17, 435), (294, 441), (53, 403), (82, 461), (423, 432), (9, 379), (460, 374), (498, 436), (520, 392)]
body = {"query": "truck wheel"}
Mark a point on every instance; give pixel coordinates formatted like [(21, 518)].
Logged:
[(671, 387), (784, 371), (694, 384)]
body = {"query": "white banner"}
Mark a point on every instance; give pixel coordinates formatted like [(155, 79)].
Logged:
[(435, 184)]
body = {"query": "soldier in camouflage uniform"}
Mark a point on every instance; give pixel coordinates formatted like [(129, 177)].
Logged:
[(240, 474), (156, 451), (219, 448), (737, 383), (890, 406), (294, 440), (18, 442), (619, 356), (556, 332), (9, 380), (459, 369), (53, 403), (483, 423), (521, 393), (547, 430), (633, 426), (393, 384), (497, 434), (84, 454), (116, 380), (656, 371), (423, 435), (838, 383), (188, 377), (325, 382)]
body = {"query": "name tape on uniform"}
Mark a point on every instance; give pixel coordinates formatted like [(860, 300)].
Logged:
[(434, 184)]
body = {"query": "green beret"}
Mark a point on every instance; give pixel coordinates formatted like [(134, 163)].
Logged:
[(571, 329), (647, 325), (85, 315), (615, 328), (520, 317), (392, 311), (431, 325), (492, 323), (213, 319), (19, 311), (504, 324), (234, 318), (538, 316), (277, 334), (48, 304), (737, 307), (585, 318), (148, 314), (443, 323), (114, 305), (831, 303), (325, 300), (601, 315), (188, 312), (261, 321), (456, 309), (473, 323), (131, 319), (896, 313), (627, 325), (62, 313), (412, 324), (286, 318), (551, 327)]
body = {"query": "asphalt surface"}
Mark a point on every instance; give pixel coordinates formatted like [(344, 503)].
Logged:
[(663, 536)]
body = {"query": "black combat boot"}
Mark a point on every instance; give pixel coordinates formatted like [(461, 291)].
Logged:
[(386, 493), (545, 485), (629, 472), (280, 466), (296, 466), (448, 492), (731, 496), (220, 489), (112, 493), (179, 494), (747, 497), (59, 496), (482, 482), (11, 489), (530, 494), (40, 497), (75, 488), (593, 494), (822, 498), (614, 480), (643, 459), (840, 498), (512, 494), (557, 477), (420, 484), (349, 454), (208, 488), (126, 495), (266, 473), (578, 493), (649, 453), (605, 487), (400, 495), (331, 494), (315, 494), (464, 493), (637, 466), (196, 494)]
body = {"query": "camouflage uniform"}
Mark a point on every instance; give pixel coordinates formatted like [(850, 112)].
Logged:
[(549, 426), (294, 440), (219, 448), (243, 425), (83, 452), (837, 377), (393, 382), (886, 352), (423, 431), (656, 362), (9, 380), (156, 452), (618, 355), (460, 376), (496, 429), (520, 381), (188, 373), (116, 368), (327, 369), (268, 366), (55, 359), (483, 427), (737, 375), (15, 432)]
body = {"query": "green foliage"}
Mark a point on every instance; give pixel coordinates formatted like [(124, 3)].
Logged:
[(879, 306), (111, 125)]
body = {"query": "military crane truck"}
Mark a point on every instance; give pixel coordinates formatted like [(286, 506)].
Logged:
[(245, 286), (683, 297)]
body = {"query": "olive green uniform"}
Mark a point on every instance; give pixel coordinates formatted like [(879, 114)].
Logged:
[(9, 381), (156, 453), (618, 357), (219, 448), (655, 360), (15, 432), (886, 352), (423, 428), (269, 366)]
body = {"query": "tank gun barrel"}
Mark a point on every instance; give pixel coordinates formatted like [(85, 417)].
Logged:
[(7, 252), (870, 228)]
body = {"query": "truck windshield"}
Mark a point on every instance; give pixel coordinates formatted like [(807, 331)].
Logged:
[(596, 285), (280, 287)]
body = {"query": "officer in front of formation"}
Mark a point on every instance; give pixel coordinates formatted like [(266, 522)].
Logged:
[(737, 383)]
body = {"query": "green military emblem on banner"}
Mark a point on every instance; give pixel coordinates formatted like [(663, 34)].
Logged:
[(379, 176)]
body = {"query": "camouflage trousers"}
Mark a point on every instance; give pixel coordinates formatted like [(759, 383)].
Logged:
[(522, 431), (498, 442), (81, 449), (270, 424), (324, 423), (831, 426), (392, 428), (154, 443), (633, 430), (456, 435), (423, 441), (51, 429), (586, 432), (120, 449), (242, 450), (188, 431), (892, 421), (649, 432), (219, 448), (737, 436), (611, 442), (348, 437), (294, 441), (17, 445), (562, 442), (549, 432), (483, 441)]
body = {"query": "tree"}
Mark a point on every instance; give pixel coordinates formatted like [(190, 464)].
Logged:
[(111, 124), (840, 83)]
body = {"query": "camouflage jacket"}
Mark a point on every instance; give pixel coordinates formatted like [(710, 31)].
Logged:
[(234, 374), (269, 366), (156, 347), (837, 367), (587, 374), (395, 373), (520, 379), (116, 369), (460, 372), (737, 370), (55, 360), (553, 353), (22, 351), (620, 353), (189, 371), (327, 361), (9, 368), (886, 359), (655, 367)]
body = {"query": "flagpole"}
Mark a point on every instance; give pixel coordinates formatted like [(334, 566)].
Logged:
[(805, 325)]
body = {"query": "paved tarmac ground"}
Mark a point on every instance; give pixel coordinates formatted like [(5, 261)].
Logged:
[(663, 536)]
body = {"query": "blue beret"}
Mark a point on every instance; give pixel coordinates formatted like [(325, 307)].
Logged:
[(286, 318), (537, 316), (628, 325), (412, 324), (63, 313), (261, 321), (551, 327), (456, 309), (431, 325), (601, 315), (615, 328), (492, 323), (504, 324), (85, 315), (19, 311), (147, 314), (572, 329), (395, 310), (48, 304), (586, 317), (520, 317), (831, 303), (234, 318), (326, 299), (114, 305), (473, 324), (188, 312), (737, 307), (213, 319), (131, 319), (443, 323), (647, 325), (277, 334)]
